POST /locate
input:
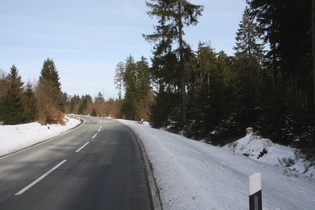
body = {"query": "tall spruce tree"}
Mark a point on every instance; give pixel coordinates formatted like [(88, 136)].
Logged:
[(143, 88), (129, 105), (172, 16), (286, 26), (249, 54), (11, 109), (49, 94)]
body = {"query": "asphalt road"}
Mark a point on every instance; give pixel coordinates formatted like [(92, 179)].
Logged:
[(98, 165)]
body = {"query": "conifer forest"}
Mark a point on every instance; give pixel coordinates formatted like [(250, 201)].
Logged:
[(204, 94)]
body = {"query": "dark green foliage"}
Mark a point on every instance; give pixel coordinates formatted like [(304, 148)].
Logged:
[(11, 109), (163, 109), (85, 101), (29, 104), (130, 78), (49, 86), (94, 112), (172, 17), (135, 79), (286, 26), (268, 90), (50, 99), (99, 99), (74, 101)]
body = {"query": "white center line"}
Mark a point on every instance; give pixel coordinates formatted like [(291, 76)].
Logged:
[(94, 136), (40, 178), (82, 147), (99, 130)]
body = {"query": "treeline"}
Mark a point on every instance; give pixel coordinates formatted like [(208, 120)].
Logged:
[(133, 78), (22, 103), (44, 101), (86, 105), (267, 84)]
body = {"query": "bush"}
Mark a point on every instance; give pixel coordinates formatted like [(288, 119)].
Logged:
[(51, 115)]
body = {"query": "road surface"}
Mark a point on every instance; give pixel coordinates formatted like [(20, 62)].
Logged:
[(98, 165)]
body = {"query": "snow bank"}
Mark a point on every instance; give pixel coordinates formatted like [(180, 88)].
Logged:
[(16, 137), (195, 175), (265, 151)]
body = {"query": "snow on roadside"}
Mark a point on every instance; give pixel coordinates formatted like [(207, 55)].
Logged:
[(265, 151), (16, 137), (195, 175)]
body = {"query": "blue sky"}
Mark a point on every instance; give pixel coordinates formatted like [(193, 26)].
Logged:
[(87, 38)]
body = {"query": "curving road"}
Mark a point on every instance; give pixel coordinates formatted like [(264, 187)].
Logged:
[(98, 165)]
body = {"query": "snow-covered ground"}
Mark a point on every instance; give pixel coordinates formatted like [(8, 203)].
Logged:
[(195, 175), (16, 137), (265, 151)]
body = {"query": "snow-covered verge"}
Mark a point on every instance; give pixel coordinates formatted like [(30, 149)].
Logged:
[(195, 175), (265, 151), (17, 137)]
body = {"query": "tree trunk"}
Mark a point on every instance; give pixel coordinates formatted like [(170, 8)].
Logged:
[(182, 69)]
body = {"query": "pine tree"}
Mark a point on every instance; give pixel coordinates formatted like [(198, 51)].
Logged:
[(172, 17), (11, 110)]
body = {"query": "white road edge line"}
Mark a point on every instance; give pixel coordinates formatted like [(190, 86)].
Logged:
[(40, 178), (82, 147)]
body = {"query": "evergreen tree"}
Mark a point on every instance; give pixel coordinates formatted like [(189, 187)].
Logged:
[(143, 89), (2, 83), (49, 95), (49, 81), (172, 17), (84, 104), (100, 98), (29, 103), (129, 105), (118, 79), (286, 26), (74, 101), (164, 73), (11, 110), (162, 108), (94, 113), (249, 56)]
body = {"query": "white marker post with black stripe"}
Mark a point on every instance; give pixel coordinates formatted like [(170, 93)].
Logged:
[(255, 201)]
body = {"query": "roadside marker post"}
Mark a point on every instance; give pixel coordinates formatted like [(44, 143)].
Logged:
[(255, 197)]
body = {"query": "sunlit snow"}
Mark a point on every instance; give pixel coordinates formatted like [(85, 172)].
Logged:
[(194, 175)]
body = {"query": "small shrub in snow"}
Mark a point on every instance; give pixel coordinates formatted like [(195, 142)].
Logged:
[(262, 153), (286, 162)]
